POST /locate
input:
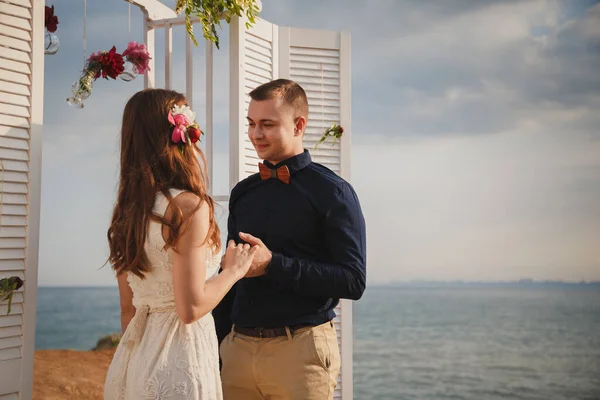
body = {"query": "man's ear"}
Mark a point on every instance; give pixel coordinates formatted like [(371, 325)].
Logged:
[(300, 126)]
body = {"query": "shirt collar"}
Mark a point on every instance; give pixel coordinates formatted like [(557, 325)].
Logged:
[(294, 164)]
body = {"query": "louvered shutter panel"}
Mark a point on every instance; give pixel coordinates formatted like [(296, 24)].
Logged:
[(21, 108), (319, 61), (255, 52)]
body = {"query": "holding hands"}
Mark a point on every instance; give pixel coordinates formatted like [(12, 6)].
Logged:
[(238, 258), (254, 253)]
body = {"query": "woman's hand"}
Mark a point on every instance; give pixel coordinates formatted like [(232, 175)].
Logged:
[(238, 258)]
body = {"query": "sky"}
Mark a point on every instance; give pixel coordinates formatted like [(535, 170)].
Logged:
[(475, 135)]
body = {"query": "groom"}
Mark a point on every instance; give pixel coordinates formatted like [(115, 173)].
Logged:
[(276, 326)]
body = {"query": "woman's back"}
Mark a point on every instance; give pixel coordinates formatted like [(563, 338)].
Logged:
[(159, 356)]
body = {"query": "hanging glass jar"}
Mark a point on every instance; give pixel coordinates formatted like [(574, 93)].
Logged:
[(51, 43)]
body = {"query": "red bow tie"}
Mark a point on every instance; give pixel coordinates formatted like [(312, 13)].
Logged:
[(282, 173)]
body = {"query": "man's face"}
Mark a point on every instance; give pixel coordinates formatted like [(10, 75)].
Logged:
[(272, 130)]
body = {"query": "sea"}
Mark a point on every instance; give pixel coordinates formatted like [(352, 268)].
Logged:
[(417, 342)]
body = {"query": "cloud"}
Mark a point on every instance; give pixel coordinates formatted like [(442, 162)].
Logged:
[(480, 118)]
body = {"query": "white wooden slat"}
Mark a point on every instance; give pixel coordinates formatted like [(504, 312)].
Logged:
[(10, 331), (264, 70), (15, 309), (11, 265), (13, 198), (15, 10), (16, 55), (252, 81), (299, 65), (14, 99), (14, 177), (313, 58), (12, 187), (300, 73), (14, 43), (258, 72), (312, 51), (10, 353), (11, 209), (306, 80), (14, 66), (322, 102), (12, 143), (317, 94), (16, 22), (332, 110), (8, 321), (15, 32), (10, 378), (325, 88), (15, 88), (16, 298), (11, 109), (11, 120), (324, 150), (13, 341), (15, 77), (22, 3), (12, 243), (18, 133), (12, 154), (259, 47), (10, 254), (260, 60), (12, 220)]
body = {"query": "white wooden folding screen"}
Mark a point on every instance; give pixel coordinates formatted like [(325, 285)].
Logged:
[(320, 62), (21, 112)]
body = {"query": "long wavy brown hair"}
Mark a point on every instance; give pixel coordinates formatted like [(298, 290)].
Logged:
[(152, 163)]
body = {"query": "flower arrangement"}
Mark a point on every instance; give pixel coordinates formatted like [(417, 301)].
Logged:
[(185, 129), (109, 64), (334, 130), (137, 60), (210, 11), (7, 287), (51, 20), (51, 42)]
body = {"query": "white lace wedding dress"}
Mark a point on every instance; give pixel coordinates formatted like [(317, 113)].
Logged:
[(160, 357)]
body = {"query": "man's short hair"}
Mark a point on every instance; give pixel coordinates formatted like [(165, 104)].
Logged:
[(291, 93)]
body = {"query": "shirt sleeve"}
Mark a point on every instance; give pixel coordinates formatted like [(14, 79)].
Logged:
[(344, 275), (222, 312)]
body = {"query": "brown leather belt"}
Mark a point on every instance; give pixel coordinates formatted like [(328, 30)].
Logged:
[(267, 332)]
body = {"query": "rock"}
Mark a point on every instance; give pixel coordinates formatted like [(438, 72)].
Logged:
[(108, 342)]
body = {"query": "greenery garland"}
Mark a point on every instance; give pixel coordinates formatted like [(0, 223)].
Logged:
[(210, 13)]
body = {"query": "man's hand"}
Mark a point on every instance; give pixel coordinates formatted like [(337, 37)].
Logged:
[(262, 257)]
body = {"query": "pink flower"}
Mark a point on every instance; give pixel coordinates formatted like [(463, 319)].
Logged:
[(137, 54), (181, 123), (178, 134)]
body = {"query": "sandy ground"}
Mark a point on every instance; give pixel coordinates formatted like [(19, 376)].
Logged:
[(70, 374)]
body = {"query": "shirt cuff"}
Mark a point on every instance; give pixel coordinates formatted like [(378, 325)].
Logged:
[(274, 269)]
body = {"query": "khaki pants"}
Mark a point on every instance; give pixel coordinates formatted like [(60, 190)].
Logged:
[(302, 366)]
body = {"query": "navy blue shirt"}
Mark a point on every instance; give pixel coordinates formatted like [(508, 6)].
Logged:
[(315, 229)]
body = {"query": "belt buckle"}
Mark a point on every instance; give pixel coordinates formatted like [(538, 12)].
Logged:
[(260, 333)]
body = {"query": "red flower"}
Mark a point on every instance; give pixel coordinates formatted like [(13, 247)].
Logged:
[(51, 22), (194, 134), (112, 63)]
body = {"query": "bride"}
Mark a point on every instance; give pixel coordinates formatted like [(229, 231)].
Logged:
[(164, 248)]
